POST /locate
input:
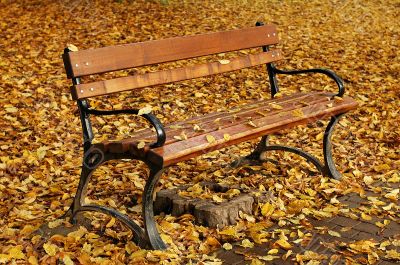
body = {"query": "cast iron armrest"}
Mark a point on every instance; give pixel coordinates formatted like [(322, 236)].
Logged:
[(161, 136), (327, 72)]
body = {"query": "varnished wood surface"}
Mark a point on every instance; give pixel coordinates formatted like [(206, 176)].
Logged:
[(107, 59), (173, 75), (265, 119)]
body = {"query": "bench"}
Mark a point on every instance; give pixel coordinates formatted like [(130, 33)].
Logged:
[(162, 146)]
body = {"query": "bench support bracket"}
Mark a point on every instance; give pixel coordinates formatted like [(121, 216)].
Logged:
[(92, 160), (151, 231), (330, 168), (327, 169)]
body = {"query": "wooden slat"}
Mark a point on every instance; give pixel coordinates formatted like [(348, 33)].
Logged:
[(179, 151), (106, 59), (173, 75)]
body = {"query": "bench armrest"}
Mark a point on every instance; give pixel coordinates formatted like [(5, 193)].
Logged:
[(327, 72), (161, 136)]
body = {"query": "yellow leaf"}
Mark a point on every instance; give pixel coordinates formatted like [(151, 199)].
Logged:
[(393, 194), (298, 113), (275, 106), (139, 254), (267, 209), (388, 207), (216, 198), (212, 241), (227, 246), (111, 222), (382, 167), (383, 224), (334, 233), (228, 231), (252, 124), (319, 136), (87, 248), (395, 178), (232, 192), (50, 249), (225, 61), (78, 233), (16, 253), (183, 135), (273, 251), (227, 137), (67, 260), (210, 138), (247, 243), (196, 128), (268, 257), (41, 152), (145, 110), (283, 244), (256, 262), (141, 145), (368, 180), (33, 260), (4, 258), (55, 223), (72, 47), (11, 109)]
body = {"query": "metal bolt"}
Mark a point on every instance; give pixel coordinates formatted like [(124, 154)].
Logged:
[(91, 89), (76, 65), (81, 90)]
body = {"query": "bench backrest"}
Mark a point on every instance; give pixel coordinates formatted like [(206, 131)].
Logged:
[(108, 59)]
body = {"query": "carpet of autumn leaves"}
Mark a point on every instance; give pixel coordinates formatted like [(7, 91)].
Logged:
[(41, 145)]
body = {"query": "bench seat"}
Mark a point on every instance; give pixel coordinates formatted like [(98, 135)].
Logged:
[(202, 134)]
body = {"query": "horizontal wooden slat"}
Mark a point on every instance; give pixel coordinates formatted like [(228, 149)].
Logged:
[(106, 59), (182, 150), (173, 75)]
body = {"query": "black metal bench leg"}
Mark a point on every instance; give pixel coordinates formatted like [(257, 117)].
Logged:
[(148, 213), (260, 148), (330, 168), (80, 195), (90, 164), (263, 146)]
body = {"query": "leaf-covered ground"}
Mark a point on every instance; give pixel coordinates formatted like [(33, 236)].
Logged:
[(41, 135)]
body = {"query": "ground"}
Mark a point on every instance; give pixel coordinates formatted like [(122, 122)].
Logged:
[(356, 219)]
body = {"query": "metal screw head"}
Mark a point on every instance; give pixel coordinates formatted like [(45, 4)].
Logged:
[(87, 63), (274, 34), (91, 89), (81, 90), (268, 35), (76, 65)]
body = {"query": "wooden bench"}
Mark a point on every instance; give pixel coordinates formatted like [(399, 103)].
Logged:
[(203, 133)]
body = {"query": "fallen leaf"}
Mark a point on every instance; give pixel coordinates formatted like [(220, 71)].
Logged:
[(210, 138), (247, 243), (50, 249), (145, 110), (225, 61)]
